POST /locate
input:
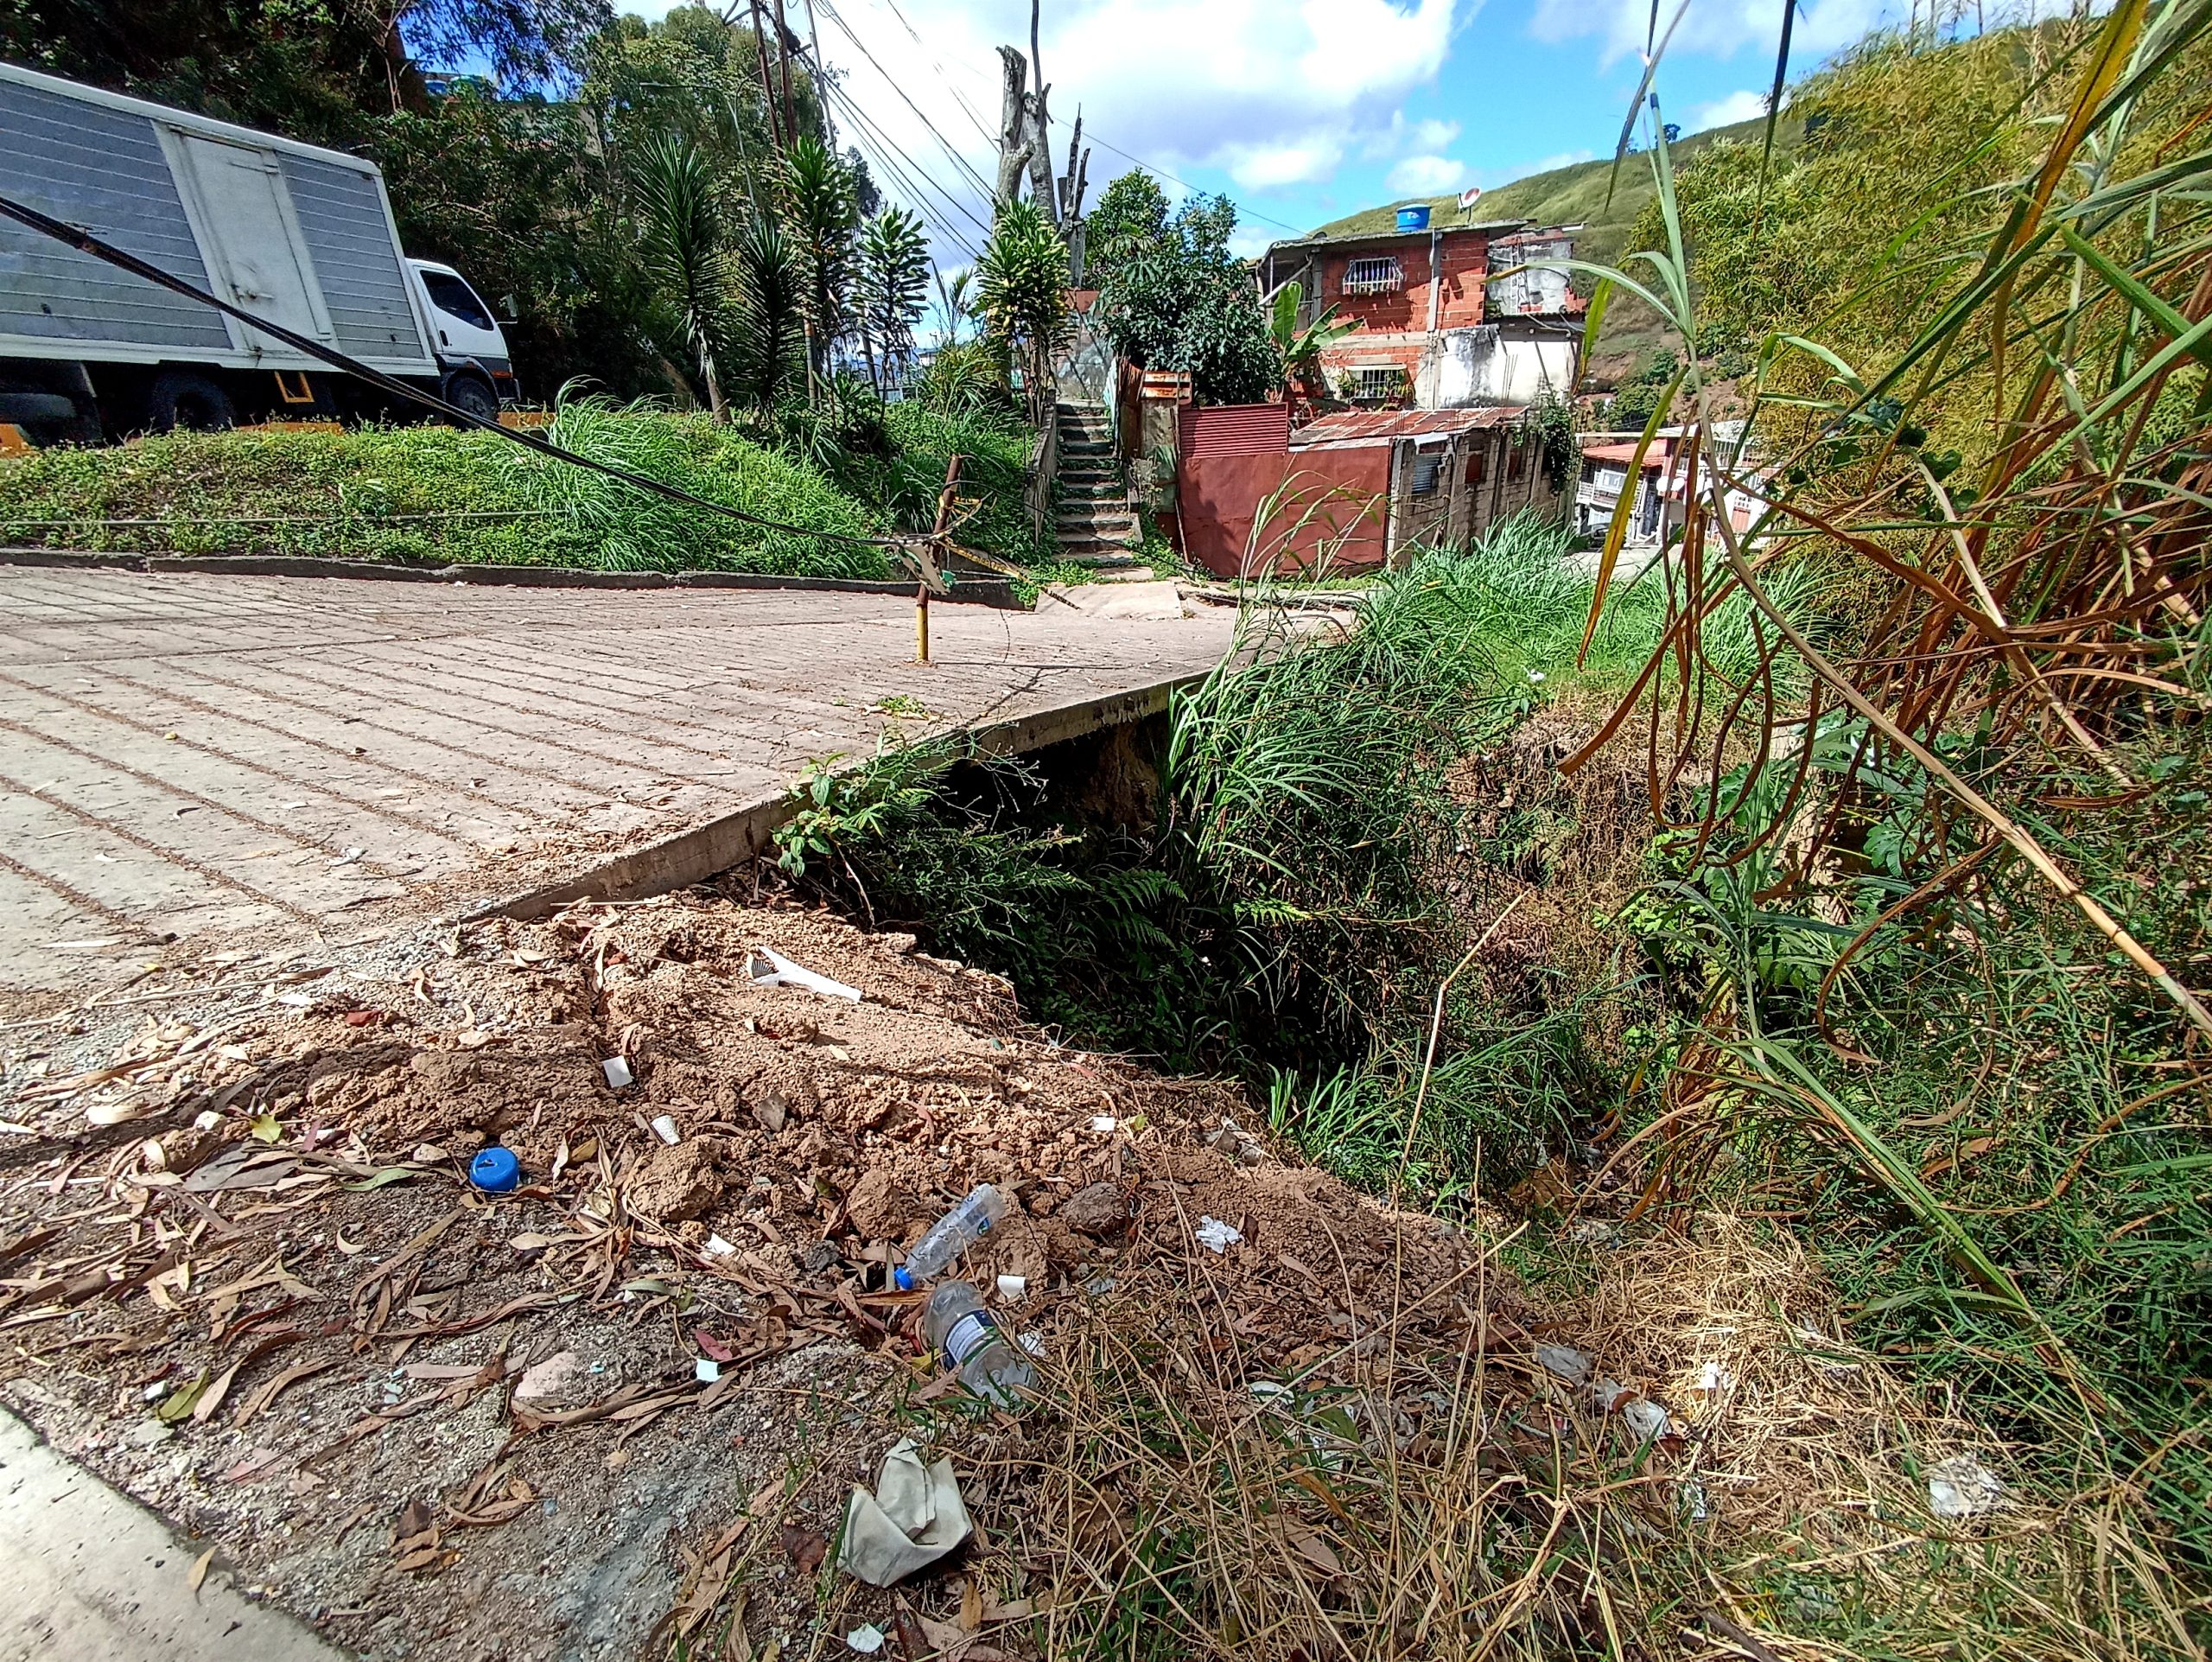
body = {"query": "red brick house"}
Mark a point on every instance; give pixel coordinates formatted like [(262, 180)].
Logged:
[(1433, 329)]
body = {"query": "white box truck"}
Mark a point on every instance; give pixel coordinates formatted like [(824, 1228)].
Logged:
[(300, 235)]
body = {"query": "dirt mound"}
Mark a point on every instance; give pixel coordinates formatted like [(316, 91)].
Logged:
[(260, 1294)]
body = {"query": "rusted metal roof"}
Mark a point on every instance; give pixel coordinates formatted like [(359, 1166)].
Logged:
[(1654, 458), (1233, 429), (1380, 426)]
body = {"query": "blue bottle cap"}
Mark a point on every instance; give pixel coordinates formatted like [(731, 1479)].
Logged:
[(495, 1170), (905, 1282)]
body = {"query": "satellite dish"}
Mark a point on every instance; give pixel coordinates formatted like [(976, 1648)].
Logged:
[(1469, 196)]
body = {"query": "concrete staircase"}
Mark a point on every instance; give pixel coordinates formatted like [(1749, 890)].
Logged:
[(1096, 526)]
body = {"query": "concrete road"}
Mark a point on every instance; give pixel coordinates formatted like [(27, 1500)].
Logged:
[(212, 756)]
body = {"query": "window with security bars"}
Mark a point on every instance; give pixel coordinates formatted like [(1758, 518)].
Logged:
[(1375, 276), (1375, 384)]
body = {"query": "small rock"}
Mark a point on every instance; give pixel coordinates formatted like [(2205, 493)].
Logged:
[(551, 1381), (770, 1112), (879, 1208), (148, 1433), (1097, 1210), (820, 1256), (1228, 1140), (1251, 1155)]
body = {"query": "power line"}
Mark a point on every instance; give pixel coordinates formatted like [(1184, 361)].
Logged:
[(881, 149), (958, 160), (990, 136)]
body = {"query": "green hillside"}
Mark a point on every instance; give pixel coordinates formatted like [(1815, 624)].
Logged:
[(1569, 195)]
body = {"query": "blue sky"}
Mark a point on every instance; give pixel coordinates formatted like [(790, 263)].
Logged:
[(1301, 110)]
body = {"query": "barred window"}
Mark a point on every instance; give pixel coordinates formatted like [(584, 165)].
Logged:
[(1374, 277)]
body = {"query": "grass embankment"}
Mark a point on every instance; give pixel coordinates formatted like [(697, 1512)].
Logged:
[(431, 494)]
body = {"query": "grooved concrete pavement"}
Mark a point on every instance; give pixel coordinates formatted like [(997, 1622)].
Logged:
[(211, 756)]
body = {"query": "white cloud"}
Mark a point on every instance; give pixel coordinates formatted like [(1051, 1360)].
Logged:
[(1745, 105), (1427, 175), (1433, 135), (1259, 167), (1719, 28)]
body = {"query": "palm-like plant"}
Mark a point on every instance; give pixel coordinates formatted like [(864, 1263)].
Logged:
[(683, 252), (894, 275), (767, 338), (822, 212), (1022, 287)]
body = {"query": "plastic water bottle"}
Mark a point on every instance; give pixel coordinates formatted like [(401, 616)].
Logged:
[(961, 1330), (950, 1236)]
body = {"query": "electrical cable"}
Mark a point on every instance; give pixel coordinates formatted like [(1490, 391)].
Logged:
[(896, 177), (990, 136), (865, 124), (85, 243), (958, 160)]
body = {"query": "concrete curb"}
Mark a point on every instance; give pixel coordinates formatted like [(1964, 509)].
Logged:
[(737, 839), (971, 590)]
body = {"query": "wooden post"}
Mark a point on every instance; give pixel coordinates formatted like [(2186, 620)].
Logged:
[(934, 561)]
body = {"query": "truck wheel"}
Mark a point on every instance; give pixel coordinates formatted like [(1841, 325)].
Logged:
[(180, 399), (469, 394)]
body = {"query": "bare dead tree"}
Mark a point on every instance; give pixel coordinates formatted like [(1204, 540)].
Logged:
[(1013, 124)]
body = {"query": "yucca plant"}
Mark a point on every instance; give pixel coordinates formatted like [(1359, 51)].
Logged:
[(1022, 292), (893, 288), (767, 337), (822, 212), (682, 245)]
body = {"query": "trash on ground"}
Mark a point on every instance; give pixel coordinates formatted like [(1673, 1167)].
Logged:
[(495, 1170), (1713, 1376), (770, 968), (1647, 1418), (1033, 1342), (706, 1370), (1962, 1487), (950, 1236), (915, 1517), (867, 1638), (664, 1129), (617, 1069), (1103, 1121), (1563, 1361), (1012, 1289), (719, 1248), (1217, 1236), (959, 1329)]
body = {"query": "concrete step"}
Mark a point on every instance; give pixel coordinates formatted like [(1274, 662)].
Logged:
[(1085, 550), (1115, 560)]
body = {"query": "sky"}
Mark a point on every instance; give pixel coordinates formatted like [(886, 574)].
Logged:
[(1301, 111)]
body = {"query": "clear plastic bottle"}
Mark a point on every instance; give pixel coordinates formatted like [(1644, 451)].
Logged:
[(950, 1236), (961, 1330)]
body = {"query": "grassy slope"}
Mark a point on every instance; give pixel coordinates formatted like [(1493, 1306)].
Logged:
[(431, 495), (1589, 194)]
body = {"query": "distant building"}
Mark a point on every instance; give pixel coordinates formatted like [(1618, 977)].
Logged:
[(1433, 329), (1662, 484)]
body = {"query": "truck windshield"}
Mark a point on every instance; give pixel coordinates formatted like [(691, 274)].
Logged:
[(455, 298)]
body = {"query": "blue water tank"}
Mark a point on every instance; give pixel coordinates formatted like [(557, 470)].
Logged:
[(1414, 219)]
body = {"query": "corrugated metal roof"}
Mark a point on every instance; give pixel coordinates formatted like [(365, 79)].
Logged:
[(1318, 239), (1656, 457), (1233, 429), (1376, 426)]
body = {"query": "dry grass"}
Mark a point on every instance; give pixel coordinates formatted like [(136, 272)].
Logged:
[(1412, 1484)]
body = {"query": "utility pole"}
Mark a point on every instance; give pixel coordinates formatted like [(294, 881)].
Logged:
[(784, 53), (767, 84)]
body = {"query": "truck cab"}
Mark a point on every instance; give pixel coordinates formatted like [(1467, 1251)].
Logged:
[(472, 350)]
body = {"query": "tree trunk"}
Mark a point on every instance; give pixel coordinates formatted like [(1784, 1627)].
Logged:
[(1014, 123)]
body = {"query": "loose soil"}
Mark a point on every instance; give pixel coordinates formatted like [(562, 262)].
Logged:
[(247, 1280)]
